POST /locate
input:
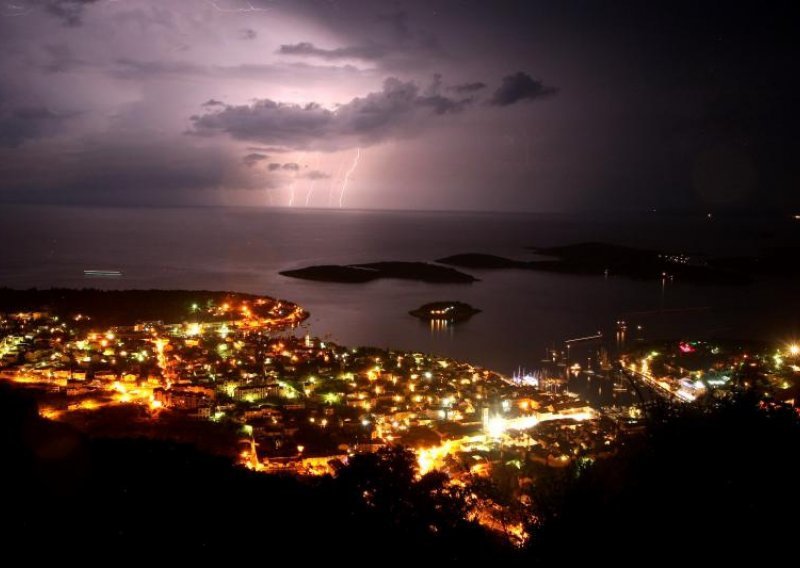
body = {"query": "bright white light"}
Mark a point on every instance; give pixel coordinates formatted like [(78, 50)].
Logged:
[(495, 427), (347, 176)]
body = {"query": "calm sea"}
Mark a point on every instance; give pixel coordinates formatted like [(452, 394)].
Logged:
[(523, 312)]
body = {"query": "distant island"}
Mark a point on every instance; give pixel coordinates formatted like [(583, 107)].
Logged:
[(609, 260), (482, 261), (449, 311), (590, 258), (360, 273)]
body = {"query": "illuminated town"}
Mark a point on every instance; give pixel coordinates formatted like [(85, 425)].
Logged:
[(282, 401)]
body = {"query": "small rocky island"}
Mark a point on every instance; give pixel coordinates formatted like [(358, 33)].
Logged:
[(449, 311), (360, 273)]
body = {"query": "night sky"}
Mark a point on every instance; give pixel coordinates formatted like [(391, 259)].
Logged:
[(436, 104)]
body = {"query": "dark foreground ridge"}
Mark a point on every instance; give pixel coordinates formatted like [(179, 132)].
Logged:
[(68, 493), (360, 273), (721, 476), (449, 311)]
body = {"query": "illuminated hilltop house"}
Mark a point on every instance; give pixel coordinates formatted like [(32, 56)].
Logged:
[(442, 313)]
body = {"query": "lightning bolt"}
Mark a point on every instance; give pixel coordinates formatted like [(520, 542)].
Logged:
[(310, 191), (312, 183), (292, 192), (347, 176), (333, 181)]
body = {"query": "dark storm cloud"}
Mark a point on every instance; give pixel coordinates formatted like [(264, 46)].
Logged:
[(434, 86), (127, 68), (70, 12), (133, 165), (367, 52), (678, 103), (443, 105), (254, 158), (288, 166), (247, 34), (117, 168), (396, 110), (695, 81), (160, 17), (393, 44), (397, 24), (132, 69), (61, 59), (468, 87), (269, 149), (316, 174), (520, 87), (22, 123)]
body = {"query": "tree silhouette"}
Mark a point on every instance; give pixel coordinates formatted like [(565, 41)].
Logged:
[(713, 482)]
